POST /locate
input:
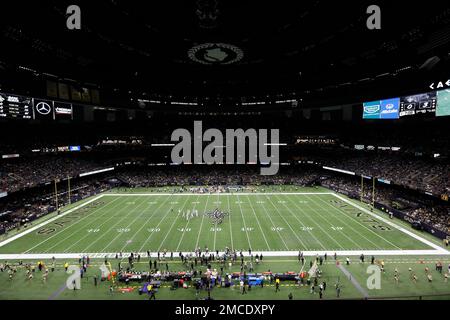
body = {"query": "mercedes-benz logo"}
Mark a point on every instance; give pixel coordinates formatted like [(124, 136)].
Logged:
[(43, 108)]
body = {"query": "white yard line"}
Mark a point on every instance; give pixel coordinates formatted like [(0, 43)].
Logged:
[(257, 220), (20, 235), (70, 226), (71, 234), (266, 254), (308, 216), (144, 224), (271, 221), (187, 224), (342, 232), (229, 219), (171, 227), (392, 224), (364, 226), (288, 224), (245, 225), (208, 194), (157, 226), (215, 228), (201, 223), (295, 216), (114, 226)]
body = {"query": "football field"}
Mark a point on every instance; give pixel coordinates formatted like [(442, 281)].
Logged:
[(273, 223)]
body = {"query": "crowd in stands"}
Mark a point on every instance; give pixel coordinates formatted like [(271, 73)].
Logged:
[(21, 173), (20, 211), (416, 209), (426, 175), (414, 174), (207, 177), (404, 167), (436, 216)]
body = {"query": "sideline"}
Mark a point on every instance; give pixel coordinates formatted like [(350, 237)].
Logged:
[(21, 234), (292, 253), (392, 224)]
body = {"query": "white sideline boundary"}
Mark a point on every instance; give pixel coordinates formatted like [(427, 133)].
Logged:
[(293, 253), (392, 224), (214, 193), (22, 256), (21, 234)]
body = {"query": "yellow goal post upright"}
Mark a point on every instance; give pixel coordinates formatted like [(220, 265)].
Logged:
[(68, 189), (362, 189), (56, 195), (373, 191)]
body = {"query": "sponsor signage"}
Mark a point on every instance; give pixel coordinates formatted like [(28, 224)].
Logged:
[(443, 103), (20, 107), (382, 109), (43, 109), (63, 111), (371, 110), (389, 108)]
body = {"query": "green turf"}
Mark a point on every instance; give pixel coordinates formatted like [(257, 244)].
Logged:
[(262, 222), (22, 288)]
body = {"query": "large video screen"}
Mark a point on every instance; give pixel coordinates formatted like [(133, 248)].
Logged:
[(15, 107), (382, 109), (43, 109), (443, 103), (418, 104), (63, 111)]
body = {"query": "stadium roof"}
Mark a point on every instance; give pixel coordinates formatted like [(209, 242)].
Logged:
[(229, 48)]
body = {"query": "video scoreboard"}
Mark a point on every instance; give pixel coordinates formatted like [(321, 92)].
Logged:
[(418, 104), (435, 103), (15, 107), (20, 107)]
